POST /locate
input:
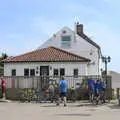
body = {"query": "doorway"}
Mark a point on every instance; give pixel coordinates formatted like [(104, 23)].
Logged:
[(44, 76)]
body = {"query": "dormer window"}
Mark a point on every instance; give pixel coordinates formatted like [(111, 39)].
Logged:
[(66, 41), (63, 31)]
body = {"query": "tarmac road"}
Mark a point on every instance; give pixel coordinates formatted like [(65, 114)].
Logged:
[(74, 111)]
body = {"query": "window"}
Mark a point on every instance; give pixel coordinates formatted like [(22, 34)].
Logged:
[(75, 73), (26, 72), (62, 71), (55, 72), (32, 72), (13, 72), (66, 41)]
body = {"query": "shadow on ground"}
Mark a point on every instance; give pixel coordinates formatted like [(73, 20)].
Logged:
[(75, 105), (91, 110), (83, 115), (114, 106), (86, 105), (71, 105), (49, 106)]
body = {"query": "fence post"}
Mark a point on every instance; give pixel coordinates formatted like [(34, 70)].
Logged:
[(118, 95), (18, 82), (13, 83)]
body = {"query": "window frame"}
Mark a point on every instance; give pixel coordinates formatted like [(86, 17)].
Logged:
[(54, 72), (31, 70), (13, 72), (75, 70), (66, 43), (63, 72), (28, 72)]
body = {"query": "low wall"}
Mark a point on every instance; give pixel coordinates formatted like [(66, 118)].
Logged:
[(15, 94), (12, 93)]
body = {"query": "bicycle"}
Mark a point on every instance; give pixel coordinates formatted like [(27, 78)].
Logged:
[(99, 97)]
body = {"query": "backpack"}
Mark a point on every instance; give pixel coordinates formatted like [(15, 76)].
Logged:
[(62, 84)]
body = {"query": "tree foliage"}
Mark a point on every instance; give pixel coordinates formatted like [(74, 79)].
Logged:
[(2, 57)]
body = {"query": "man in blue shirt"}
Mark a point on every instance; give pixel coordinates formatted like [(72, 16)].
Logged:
[(91, 89), (100, 90), (98, 87), (63, 86)]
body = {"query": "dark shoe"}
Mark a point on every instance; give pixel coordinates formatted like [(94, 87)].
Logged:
[(104, 101), (57, 104), (97, 101), (65, 105)]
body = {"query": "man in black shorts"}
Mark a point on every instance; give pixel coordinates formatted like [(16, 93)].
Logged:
[(63, 91)]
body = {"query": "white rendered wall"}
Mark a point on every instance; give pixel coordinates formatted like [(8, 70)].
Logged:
[(69, 67)]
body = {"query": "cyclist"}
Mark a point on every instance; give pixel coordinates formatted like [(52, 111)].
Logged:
[(103, 87), (99, 90)]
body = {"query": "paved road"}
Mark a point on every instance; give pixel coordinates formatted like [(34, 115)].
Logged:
[(76, 111)]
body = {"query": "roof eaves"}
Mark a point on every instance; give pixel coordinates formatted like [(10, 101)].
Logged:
[(48, 61), (84, 36)]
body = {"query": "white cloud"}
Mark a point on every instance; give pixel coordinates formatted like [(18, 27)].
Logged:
[(15, 36), (113, 4), (103, 34), (16, 43), (45, 26), (79, 8), (72, 13)]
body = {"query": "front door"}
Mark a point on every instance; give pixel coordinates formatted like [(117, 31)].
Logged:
[(44, 75)]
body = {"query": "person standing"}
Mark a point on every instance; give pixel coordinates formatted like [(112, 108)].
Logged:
[(3, 86), (91, 89), (99, 90), (103, 89), (63, 86)]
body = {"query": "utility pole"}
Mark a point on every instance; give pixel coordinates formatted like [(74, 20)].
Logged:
[(106, 60)]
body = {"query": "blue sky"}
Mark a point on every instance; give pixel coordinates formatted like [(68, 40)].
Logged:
[(26, 24)]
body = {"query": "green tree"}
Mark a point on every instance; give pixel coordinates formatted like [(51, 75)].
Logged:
[(2, 57)]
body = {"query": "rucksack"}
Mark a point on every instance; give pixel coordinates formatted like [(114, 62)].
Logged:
[(62, 84)]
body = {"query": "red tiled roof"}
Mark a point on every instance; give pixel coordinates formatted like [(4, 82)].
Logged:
[(50, 54)]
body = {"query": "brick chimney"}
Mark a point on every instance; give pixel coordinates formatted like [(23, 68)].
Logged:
[(79, 28)]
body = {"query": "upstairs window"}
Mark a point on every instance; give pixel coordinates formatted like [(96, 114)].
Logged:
[(66, 41), (13, 72)]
